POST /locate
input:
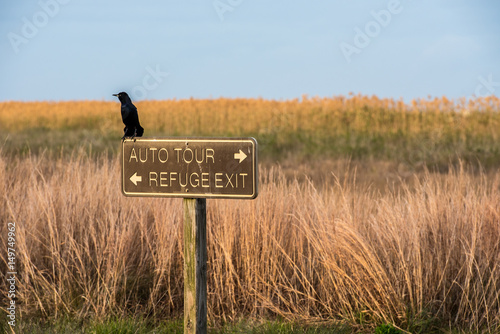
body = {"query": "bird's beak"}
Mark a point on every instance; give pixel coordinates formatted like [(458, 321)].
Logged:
[(115, 94)]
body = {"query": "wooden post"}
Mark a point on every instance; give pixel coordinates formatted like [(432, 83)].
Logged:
[(195, 265)]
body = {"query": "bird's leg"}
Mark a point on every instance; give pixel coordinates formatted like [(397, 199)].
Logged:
[(135, 133), (124, 134)]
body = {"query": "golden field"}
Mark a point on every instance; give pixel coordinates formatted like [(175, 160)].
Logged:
[(423, 254), (431, 132)]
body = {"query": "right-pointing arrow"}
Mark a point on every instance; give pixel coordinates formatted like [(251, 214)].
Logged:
[(135, 178), (240, 156)]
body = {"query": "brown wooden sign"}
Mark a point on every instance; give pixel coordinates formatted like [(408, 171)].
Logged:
[(190, 167)]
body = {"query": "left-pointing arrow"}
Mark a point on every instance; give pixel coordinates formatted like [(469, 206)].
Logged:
[(135, 178)]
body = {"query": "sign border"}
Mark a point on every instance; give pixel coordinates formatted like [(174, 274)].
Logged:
[(255, 175)]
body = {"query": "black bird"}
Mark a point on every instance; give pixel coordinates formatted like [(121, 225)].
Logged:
[(129, 117)]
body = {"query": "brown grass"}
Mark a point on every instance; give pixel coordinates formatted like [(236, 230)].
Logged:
[(418, 256)]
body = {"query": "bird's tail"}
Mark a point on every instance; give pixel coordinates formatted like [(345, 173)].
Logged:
[(140, 131)]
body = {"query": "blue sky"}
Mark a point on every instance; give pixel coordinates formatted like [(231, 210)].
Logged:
[(77, 50)]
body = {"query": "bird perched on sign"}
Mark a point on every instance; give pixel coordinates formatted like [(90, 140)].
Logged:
[(129, 117)]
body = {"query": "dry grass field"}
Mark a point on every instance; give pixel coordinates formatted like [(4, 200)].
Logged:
[(423, 255)]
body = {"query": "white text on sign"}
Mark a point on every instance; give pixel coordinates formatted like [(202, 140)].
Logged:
[(185, 155)]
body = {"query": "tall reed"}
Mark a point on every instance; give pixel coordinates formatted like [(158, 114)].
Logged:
[(419, 256)]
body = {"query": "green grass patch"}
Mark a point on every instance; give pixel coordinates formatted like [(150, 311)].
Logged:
[(416, 150), (140, 326)]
